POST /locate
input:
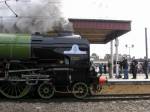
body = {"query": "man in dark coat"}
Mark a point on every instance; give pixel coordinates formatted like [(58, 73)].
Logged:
[(101, 68), (105, 70), (134, 67), (145, 68), (125, 68)]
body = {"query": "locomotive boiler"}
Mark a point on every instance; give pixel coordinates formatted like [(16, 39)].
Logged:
[(47, 64)]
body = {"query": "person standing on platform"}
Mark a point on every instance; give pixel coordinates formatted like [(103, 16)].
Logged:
[(105, 70), (125, 68), (110, 69), (134, 67), (101, 68), (145, 68)]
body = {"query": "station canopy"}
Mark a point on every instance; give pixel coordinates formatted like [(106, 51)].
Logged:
[(99, 31)]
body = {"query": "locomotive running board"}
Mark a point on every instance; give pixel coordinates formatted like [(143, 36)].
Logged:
[(3, 79), (26, 70)]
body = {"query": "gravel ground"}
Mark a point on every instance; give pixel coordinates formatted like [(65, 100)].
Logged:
[(75, 106)]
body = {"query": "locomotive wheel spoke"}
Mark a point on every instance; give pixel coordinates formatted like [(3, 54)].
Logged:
[(14, 89), (46, 90), (80, 90)]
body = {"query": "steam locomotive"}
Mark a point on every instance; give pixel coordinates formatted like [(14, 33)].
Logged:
[(49, 64)]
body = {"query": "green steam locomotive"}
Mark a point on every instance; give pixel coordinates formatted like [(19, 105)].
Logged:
[(47, 64)]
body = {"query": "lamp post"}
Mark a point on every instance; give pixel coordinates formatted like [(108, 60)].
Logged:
[(129, 46), (1, 24), (146, 50)]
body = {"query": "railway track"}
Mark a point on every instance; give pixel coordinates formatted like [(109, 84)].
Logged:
[(110, 97), (94, 98)]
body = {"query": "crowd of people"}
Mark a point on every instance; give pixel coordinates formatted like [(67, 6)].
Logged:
[(134, 67), (125, 68)]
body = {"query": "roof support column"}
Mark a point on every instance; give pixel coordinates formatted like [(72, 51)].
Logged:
[(111, 67), (117, 67)]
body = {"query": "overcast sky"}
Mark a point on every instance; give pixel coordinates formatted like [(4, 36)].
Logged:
[(136, 11)]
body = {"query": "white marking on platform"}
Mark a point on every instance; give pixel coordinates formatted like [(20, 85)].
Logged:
[(128, 81)]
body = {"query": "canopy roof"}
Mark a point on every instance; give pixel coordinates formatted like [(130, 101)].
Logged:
[(99, 31)]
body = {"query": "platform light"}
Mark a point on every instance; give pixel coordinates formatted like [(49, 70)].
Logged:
[(129, 47), (23, 0)]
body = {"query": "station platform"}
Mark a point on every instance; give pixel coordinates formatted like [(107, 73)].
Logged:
[(139, 76), (140, 79), (127, 86)]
